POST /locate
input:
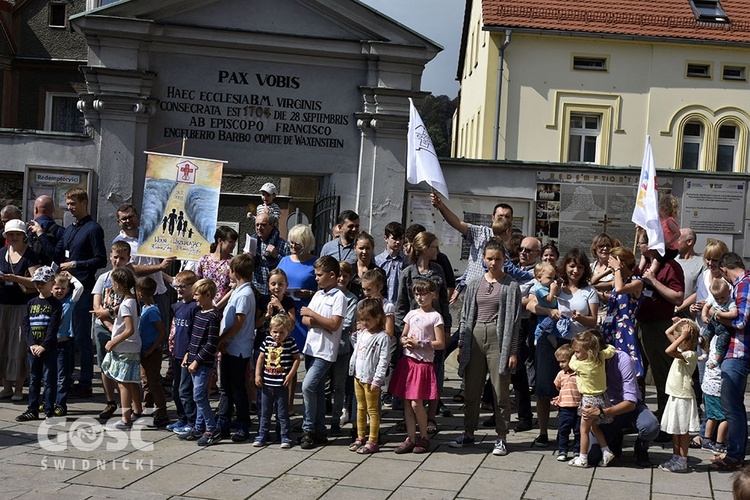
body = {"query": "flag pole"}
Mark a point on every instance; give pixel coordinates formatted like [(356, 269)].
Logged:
[(184, 140)]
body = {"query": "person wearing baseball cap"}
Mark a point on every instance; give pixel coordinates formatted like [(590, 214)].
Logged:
[(17, 263), (40, 326), (268, 193)]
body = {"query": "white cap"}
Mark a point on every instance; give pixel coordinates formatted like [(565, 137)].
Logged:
[(270, 188)]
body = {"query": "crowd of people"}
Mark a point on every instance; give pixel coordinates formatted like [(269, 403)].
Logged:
[(580, 330)]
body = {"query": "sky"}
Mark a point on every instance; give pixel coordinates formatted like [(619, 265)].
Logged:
[(440, 21)]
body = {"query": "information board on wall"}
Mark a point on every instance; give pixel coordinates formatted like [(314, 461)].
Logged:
[(572, 208), (54, 182), (716, 207)]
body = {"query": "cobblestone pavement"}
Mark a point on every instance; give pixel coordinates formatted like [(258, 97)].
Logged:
[(79, 460)]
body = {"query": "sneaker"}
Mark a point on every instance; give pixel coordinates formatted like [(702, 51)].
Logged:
[(541, 440), (240, 435), (120, 425), (209, 438), (159, 421), (387, 400), (308, 441), (286, 443), (666, 464), (27, 416), (406, 447), (422, 445), (562, 456), (183, 429), (523, 425), (674, 466), (193, 435), (59, 411), (109, 410), (344, 417), (16, 397), (607, 457), (579, 462), (500, 449), (260, 442), (135, 416), (174, 425), (461, 441)]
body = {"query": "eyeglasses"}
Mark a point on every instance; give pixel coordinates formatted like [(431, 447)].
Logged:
[(182, 287), (295, 244), (126, 218), (527, 250), (604, 245)]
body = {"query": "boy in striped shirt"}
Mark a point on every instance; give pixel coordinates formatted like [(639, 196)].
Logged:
[(567, 402)]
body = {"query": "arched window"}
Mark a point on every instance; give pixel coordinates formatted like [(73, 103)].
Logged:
[(726, 150), (692, 145)]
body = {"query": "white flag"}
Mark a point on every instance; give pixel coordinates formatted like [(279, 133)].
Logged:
[(646, 211), (421, 161)]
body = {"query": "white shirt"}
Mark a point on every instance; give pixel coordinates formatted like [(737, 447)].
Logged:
[(321, 343), (129, 307)]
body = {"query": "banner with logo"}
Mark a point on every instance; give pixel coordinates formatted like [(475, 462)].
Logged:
[(180, 206)]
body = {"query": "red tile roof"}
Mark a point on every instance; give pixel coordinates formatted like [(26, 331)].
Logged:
[(648, 18)]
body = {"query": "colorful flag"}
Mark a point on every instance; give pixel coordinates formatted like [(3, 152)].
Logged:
[(646, 211), (422, 162)]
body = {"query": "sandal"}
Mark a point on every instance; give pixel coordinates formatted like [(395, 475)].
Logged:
[(459, 398), (725, 464), (369, 447), (357, 444), (432, 427), (696, 442)]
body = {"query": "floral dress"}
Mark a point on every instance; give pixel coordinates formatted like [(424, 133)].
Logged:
[(619, 325), (216, 271)]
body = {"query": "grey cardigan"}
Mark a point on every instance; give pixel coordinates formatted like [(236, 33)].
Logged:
[(508, 321), (377, 356)]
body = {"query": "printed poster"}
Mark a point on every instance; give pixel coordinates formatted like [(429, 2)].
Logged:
[(180, 206)]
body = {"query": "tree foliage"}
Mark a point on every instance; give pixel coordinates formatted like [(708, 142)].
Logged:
[(437, 115)]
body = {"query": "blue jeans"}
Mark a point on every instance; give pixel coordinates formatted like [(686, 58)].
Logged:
[(65, 361), (314, 394), (205, 417), (182, 393), (641, 418), (43, 370), (733, 381), (568, 420), (271, 396), (81, 325)]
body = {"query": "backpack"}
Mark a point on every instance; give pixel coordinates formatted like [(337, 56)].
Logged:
[(36, 245)]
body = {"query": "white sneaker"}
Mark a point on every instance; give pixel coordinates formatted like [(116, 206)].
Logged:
[(607, 457), (562, 456), (344, 417), (500, 448), (579, 462)]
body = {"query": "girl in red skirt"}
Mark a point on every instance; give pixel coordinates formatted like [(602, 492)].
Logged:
[(414, 379)]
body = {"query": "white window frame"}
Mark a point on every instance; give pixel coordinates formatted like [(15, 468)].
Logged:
[(734, 143), (692, 139), (583, 133)]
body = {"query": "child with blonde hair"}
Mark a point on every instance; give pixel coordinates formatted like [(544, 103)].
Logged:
[(546, 290), (669, 209), (368, 365), (719, 306), (591, 378), (680, 416)]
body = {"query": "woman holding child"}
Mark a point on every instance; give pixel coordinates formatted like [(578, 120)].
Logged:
[(488, 341), (215, 265), (579, 304)]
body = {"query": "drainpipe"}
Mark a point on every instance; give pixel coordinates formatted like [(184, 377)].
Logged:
[(501, 63)]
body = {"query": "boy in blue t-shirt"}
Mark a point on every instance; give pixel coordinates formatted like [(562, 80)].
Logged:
[(40, 326), (179, 339), (65, 350), (236, 346), (153, 334), (274, 373)]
